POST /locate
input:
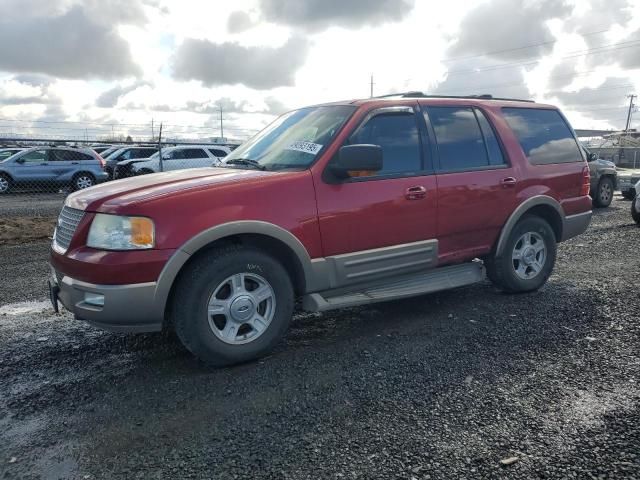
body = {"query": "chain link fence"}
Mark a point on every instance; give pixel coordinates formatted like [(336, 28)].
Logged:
[(36, 175)]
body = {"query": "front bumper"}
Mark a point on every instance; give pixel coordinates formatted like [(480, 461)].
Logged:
[(125, 308)]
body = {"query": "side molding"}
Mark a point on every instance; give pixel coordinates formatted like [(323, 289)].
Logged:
[(520, 211)]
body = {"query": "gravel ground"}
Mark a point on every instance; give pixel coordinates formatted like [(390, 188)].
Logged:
[(31, 204), (442, 386)]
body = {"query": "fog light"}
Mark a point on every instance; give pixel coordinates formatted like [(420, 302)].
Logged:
[(94, 299)]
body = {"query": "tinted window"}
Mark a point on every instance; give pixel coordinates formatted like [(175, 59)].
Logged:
[(544, 135), (218, 153), (195, 153), (37, 156), (397, 134), (459, 138), (142, 152), (68, 156), (493, 147)]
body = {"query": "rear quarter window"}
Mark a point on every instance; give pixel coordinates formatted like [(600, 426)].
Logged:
[(544, 135)]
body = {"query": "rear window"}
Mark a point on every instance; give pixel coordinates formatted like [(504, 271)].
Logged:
[(544, 135)]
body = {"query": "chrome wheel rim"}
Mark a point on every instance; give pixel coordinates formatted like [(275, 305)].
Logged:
[(4, 184), (241, 308), (605, 192), (84, 182), (529, 255)]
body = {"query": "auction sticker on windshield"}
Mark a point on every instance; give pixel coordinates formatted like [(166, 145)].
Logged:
[(302, 146)]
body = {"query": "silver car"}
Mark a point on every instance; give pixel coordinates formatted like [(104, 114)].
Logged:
[(47, 167)]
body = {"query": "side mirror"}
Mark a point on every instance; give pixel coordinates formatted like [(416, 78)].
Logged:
[(354, 160), (20, 160), (592, 156)]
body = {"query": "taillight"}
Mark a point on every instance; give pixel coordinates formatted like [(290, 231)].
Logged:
[(101, 160), (586, 181)]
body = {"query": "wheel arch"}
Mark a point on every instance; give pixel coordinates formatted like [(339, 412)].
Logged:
[(265, 236), (541, 206)]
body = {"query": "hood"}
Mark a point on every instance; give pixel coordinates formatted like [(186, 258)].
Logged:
[(107, 197), (122, 163)]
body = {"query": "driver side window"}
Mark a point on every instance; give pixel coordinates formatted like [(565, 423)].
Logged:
[(397, 133)]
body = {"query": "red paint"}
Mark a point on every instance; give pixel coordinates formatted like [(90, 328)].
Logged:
[(464, 211)]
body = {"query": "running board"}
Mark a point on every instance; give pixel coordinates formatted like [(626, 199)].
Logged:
[(434, 280)]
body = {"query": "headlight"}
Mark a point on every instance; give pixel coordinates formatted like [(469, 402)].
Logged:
[(115, 232)]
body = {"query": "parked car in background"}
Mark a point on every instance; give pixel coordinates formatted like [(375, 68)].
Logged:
[(635, 204), (8, 152), (47, 167), (178, 158), (127, 153), (101, 148), (341, 204), (603, 179), (627, 180)]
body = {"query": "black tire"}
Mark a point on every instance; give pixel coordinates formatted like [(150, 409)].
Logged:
[(603, 195), (5, 183), (634, 212), (83, 180), (502, 270), (195, 287), (629, 194)]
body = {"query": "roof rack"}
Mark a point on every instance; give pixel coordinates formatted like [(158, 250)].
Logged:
[(484, 96)]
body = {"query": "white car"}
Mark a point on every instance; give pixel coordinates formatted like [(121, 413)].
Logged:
[(635, 204), (178, 158)]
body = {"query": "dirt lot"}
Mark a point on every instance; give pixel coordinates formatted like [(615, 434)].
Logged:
[(441, 386), (14, 230)]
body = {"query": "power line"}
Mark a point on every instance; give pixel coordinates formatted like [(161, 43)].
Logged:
[(541, 44), (592, 51)]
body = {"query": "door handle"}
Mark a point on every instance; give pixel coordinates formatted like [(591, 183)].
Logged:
[(508, 182), (415, 193), (75, 163)]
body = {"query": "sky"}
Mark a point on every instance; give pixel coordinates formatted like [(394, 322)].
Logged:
[(93, 68)]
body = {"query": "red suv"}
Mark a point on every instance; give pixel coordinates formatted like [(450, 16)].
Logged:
[(341, 204)]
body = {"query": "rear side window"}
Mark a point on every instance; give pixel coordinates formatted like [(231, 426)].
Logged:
[(465, 139), (194, 153), (544, 135), (218, 153)]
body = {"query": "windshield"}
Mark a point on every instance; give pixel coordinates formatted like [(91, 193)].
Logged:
[(293, 140)]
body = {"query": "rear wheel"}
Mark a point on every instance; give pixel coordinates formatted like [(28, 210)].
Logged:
[(604, 193), (233, 305), (528, 257), (635, 210), (5, 183), (83, 180)]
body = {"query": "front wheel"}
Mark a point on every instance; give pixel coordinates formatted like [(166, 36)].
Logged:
[(635, 210), (528, 257), (5, 184), (604, 193), (232, 305)]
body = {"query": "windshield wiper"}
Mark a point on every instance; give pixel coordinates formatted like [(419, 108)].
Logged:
[(245, 161)]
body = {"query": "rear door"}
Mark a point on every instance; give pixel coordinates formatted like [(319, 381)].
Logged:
[(196, 158), (63, 163), (476, 181)]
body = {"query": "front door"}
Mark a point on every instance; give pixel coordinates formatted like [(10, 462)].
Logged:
[(392, 212)]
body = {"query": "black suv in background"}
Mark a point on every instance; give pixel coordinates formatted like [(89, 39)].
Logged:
[(126, 153)]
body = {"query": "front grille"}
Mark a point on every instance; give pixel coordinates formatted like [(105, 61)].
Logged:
[(67, 223)]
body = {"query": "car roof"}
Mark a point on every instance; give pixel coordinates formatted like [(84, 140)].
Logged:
[(424, 99)]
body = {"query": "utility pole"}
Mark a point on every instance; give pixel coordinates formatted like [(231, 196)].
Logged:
[(630, 97), (160, 149), (221, 129), (371, 84), (153, 135)]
